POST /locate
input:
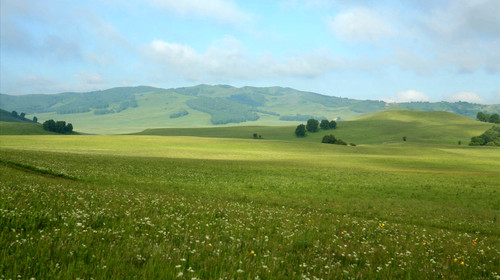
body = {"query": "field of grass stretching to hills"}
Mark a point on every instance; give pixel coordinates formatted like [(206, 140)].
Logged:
[(183, 207), (384, 127)]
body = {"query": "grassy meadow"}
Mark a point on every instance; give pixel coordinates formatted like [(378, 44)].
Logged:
[(182, 207), (381, 128)]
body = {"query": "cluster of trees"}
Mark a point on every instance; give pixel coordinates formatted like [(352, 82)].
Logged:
[(491, 118), (330, 139), (179, 114), (314, 125), (104, 111), (22, 116), (490, 137), (223, 111), (72, 110), (257, 136), (57, 126)]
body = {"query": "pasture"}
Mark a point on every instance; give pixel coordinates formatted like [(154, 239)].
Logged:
[(385, 127), (155, 207)]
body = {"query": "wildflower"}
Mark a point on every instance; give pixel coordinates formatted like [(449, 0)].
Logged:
[(240, 270), (455, 259), (252, 252), (462, 263)]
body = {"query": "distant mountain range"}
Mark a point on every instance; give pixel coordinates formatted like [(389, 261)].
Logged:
[(129, 109)]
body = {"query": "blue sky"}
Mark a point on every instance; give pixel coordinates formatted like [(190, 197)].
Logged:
[(387, 50)]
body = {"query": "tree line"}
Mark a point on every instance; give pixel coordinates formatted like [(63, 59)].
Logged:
[(490, 137), (58, 126), (491, 118), (22, 116), (314, 125)]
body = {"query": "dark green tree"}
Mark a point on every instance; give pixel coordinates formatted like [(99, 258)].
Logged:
[(324, 124), (490, 137), (330, 139), (404, 138), (332, 124), (300, 131), (14, 114), (22, 115), (35, 119), (60, 126), (68, 128), (49, 125), (481, 117), (476, 141), (495, 118), (487, 117), (255, 136), (312, 125), (340, 142)]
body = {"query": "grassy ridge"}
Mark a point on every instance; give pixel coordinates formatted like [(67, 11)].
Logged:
[(167, 207), (388, 127), (17, 128)]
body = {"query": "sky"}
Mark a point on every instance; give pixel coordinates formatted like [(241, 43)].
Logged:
[(396, 51)]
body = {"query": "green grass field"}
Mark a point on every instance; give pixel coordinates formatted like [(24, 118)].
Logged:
[(385, 127), (155, 207)]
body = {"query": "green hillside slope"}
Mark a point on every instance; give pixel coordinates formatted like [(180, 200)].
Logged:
[(18, 128), (132, 109), (384, 127), (7, 117)]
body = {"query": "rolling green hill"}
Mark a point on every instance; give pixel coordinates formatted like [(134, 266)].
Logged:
[(10, 125), (384, 127), (18, 128), (131, 109), (7, 117)]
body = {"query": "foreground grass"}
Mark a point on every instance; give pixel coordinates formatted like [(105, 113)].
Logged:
[(166, 207)]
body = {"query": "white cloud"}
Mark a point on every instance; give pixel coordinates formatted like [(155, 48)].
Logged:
[(228, 59), (464, 34), (462, 19), (360, 25), (464, 96), (408, 96), (224, 11)]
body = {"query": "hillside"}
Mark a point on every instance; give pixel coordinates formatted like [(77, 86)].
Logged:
[(384, 127), (131, 109), (7, 117), (18, 128)]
